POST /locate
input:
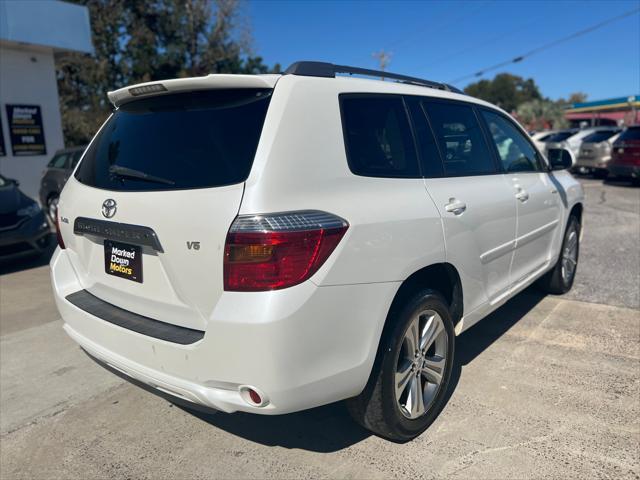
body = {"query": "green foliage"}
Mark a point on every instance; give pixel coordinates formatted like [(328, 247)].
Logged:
[(541, 114), (505, 90), (138, 41)]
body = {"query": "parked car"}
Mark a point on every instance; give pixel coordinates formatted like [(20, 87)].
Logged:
[(541, 137), (625, 157), (572, 139), (236, 252), (24, 230), (595, 152), (55, 176)]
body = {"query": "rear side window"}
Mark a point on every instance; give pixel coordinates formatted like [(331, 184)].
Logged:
[(598, 137), (515, 151), (631, 133), (460, 138), (378, 137), (181, 141), (560, 136), (59, 161)]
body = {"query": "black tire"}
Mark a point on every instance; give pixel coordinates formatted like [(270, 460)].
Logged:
[(554, 281), (600, 174), (376, 408)]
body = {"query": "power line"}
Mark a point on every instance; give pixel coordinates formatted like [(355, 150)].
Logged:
[(539, 49), (442, 18), (450, 57)]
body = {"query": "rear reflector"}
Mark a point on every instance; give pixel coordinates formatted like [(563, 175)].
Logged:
[(270, 252)]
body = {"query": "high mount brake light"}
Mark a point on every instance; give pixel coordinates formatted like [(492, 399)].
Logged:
[(274, 251)]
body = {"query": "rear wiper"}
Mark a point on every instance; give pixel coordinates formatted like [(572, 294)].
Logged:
[(124, 172)]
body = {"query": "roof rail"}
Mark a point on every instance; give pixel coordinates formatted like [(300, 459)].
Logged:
[(329, 70)]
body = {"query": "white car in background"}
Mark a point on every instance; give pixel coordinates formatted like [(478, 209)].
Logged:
[(540, 138), (272, 243), (572, 139)]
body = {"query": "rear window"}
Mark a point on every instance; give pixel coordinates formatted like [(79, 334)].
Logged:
[(181, 141), (378, 137), (560, 136), (599, 136), (631, 133)]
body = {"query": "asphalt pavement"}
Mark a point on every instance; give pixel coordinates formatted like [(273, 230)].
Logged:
[(545, 387)]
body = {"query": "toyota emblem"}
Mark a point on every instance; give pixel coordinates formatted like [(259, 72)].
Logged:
[(109, 208)]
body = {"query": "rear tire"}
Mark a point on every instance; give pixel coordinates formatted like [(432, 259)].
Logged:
[(407, 390), (560, 278)]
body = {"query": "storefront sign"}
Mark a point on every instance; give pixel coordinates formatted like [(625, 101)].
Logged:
[(25, 130)]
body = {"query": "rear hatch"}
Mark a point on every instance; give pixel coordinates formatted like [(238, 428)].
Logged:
[(145, 216)]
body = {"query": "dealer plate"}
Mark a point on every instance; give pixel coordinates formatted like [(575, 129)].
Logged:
[(123, 260)]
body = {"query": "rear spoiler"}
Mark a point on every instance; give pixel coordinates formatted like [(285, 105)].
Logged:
[(209, 82)]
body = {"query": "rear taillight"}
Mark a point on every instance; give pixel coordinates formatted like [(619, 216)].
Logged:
[(274, 251), (58, 233)]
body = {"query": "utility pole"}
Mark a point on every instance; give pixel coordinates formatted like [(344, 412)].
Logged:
[(384, 58)]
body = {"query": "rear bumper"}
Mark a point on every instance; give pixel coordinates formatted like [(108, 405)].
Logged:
[(302, 347), (618, 170), (593, 163)]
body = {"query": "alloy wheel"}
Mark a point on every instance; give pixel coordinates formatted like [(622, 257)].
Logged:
[(570, 255), (421, 364)]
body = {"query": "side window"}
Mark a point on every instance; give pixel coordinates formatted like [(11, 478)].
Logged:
[(378, 137), (427, 148), (59, 161), (516, 153), (460, 138)]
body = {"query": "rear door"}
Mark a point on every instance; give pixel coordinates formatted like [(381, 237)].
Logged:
[(477, 208), (537, 198), (147, 212)]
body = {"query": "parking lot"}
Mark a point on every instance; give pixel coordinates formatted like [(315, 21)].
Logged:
[(544, 387)]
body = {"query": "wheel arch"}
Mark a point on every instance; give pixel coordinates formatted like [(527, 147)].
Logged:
[(441, 277)]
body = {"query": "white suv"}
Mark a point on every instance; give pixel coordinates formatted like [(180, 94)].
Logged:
[(272, 243)]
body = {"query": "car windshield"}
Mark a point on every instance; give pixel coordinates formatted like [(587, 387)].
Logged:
[(561, 136), (599, 136), (631, 133)]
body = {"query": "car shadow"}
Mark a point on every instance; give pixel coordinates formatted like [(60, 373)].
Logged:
[(329, 428), (25, 263)]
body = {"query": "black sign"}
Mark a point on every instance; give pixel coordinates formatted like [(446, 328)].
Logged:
[(3, 149), (26, 130), (123, 260)]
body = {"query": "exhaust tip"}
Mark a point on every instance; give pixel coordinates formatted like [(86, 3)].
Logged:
[(252, 396)]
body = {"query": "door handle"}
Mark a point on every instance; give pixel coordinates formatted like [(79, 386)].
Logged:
[(522, 195), (455, 206)]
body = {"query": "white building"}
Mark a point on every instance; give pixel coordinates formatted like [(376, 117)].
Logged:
[(31, 31)]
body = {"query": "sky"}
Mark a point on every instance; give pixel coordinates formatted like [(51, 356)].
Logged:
[(446, 40)]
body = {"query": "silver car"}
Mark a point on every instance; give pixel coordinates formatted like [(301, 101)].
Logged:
[(595, 153)]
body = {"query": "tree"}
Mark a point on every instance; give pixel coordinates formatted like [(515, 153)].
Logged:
[(505, 90), (541, 114), (137, 41)]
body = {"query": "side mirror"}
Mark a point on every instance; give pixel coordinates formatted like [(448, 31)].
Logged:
[(559, 158)]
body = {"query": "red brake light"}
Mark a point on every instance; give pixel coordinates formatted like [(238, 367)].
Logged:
[(270, 252), (58, 234)]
